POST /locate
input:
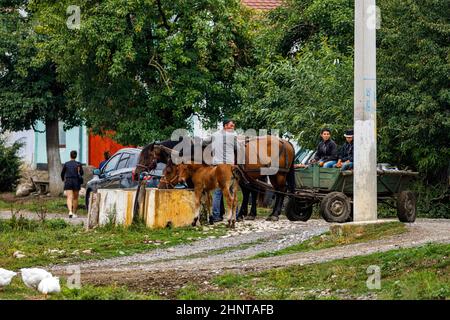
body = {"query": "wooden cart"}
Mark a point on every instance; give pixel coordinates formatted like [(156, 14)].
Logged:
[(332, 189)]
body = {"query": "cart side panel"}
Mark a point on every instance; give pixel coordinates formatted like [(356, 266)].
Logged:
[(344, 183), (391, 184), (303, 178), (328, 178), (316, 177)]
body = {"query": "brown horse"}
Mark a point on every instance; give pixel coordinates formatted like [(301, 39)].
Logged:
[(150, 155), (206, 179), (267, 156), (279, 155)]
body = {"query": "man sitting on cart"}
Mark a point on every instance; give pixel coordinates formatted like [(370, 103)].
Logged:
[(326, 154), (345, 161)]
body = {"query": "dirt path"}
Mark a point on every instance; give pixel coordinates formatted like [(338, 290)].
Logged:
[(168, 270), (81, 219)]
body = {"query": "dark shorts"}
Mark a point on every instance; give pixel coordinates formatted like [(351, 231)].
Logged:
[(72, 184)]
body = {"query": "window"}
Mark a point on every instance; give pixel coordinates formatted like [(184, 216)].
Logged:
[(133, 160), (123, 161), (112, 163)]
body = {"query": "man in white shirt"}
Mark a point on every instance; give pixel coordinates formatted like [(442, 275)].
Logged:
[(224, 144)]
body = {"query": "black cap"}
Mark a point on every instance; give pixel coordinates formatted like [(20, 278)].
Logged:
[(227, 121), (348, 133)]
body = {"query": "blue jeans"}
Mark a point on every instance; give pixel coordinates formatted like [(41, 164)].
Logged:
[(329, 164), (217, 201), (347, 166)]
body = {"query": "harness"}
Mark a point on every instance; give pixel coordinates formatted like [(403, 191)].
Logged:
[(282, 150), (171, 183)]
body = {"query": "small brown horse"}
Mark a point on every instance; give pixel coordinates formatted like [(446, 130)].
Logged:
[(206, 179)]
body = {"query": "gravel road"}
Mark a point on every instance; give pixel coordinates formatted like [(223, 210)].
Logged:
[(172, 268), (81, 219)]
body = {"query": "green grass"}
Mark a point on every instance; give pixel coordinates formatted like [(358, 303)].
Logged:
[(36, 204), (35, 238), (341, 235), (18, 291), (418, 273)]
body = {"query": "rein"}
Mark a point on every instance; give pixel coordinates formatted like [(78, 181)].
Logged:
[(142, 166), (171, 183)]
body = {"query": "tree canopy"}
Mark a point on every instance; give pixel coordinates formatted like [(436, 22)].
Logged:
[(304, 79), (29, 89), (143, 67)]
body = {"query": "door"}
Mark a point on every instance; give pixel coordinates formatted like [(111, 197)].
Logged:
[(109, 177)]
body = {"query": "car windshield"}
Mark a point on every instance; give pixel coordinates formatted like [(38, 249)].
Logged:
[(303, 155), (133, 161)]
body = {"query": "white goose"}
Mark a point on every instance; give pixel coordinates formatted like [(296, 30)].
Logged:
[(6, 277), (49, 285), (33, 276)]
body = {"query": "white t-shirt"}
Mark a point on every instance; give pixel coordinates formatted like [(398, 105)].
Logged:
[(223, 145)]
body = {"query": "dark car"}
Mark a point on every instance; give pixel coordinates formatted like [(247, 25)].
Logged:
[(116, 173)]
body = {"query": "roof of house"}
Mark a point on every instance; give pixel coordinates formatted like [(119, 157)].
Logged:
[(262, 4)]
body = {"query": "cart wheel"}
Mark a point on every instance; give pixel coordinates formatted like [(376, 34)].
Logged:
[(406, 206), (297, 210), (335, 207)]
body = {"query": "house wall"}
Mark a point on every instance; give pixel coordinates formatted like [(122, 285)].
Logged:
[(76, 139)]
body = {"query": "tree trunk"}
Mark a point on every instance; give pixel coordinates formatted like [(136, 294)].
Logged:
[(53, 157)]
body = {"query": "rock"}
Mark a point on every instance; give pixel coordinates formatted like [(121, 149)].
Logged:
[(24, 190), (88, 251), (55, 251), (18, 255), (170, 250), (82, 192)]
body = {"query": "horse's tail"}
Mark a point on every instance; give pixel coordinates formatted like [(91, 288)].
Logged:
[(291, 172)]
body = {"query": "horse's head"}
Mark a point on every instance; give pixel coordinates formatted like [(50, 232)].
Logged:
[(170, 176), (146, 161), (184, 172)]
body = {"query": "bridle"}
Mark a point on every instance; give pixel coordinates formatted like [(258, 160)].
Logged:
[(171, 183)]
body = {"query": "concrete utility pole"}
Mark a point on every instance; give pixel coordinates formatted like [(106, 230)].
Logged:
[(365, 152)]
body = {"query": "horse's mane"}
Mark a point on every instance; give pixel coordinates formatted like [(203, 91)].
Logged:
[(146, 152)]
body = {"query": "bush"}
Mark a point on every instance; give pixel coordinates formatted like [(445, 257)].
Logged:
[(432, 200), (56, 224), (9, 165)]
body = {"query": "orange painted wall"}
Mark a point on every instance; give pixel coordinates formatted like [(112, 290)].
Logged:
[(98, 145)]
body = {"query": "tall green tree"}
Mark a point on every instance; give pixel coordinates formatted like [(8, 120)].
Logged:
[(143, 67), (29, 88), (300, 85)]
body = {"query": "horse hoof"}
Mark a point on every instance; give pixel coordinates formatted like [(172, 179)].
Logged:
[(272, 218), (240, 219), (233, 224), (250, 218)]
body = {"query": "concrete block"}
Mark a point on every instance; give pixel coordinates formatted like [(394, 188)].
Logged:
[(173, 207), (116, 206), (160, 207)]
